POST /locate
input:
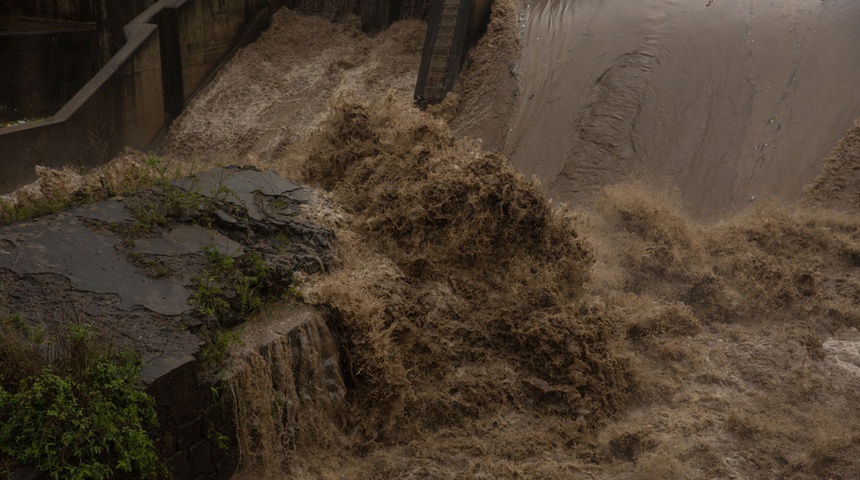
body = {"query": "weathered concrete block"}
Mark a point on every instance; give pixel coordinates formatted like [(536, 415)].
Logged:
[(200, 459), (97, 273), (378, 14)]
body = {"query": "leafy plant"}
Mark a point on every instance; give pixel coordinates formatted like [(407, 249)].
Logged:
[(230, 287), (221, 441), (167, 205), (292, 291), (89, 427), (229, 290), (216, 352)]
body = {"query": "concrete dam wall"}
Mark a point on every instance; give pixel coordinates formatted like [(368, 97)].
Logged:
[(49, 50), (169, 52)]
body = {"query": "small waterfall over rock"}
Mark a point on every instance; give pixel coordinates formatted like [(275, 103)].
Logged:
[(287, 389)]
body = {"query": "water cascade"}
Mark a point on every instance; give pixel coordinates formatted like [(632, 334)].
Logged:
[(287, 387)]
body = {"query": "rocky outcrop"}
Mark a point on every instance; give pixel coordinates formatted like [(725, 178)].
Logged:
[(163, 273)]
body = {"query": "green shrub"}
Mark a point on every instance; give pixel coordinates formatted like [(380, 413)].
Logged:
[(85, 426), (227, 292), (230, 288)]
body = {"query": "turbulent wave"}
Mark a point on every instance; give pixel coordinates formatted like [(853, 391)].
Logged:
[(485, 332), (490, 334), (472, 303)]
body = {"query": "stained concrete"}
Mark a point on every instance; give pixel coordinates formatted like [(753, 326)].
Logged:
[(242, 190), (187, 239), (170, 51)]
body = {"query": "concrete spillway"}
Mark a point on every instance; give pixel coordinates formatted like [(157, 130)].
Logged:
[(453, 27), (729, 101)]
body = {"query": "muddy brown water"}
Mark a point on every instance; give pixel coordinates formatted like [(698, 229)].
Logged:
[(726, 100), (654, 332)]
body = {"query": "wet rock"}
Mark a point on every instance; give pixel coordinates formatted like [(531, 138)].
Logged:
[(131, 270), (92, 266), (189, 239), (63, 244)]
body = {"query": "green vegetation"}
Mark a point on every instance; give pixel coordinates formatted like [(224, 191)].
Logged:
[(153, 267), (216, 351), (167, 205), (221, 441), (74, 409), (229, 290), (231, 287), (292, 291), (70, 407), (51, 203)]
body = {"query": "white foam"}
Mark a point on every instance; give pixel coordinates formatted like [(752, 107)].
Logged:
[(845, 353)]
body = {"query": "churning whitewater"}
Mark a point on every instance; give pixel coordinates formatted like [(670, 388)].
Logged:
[(630, 312)]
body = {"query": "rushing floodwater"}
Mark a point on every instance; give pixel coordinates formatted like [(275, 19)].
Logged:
[(727, 100), (486, 335)]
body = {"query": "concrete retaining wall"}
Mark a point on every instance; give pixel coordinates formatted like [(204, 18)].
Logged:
[(171, 50), (41, 70), (121, 105), (196, 436), (59, 10), (50, 49), (453, 28)]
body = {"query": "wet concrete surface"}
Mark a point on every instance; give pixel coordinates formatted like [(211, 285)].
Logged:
[(66, 246), (79, 266)]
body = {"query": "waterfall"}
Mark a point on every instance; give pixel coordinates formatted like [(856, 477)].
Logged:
[(287, 390)]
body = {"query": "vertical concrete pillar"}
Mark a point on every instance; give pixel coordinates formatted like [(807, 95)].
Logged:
[(445, 49), (379, 14), (171, 62)]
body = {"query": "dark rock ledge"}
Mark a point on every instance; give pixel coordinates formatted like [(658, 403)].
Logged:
[(127, 268)]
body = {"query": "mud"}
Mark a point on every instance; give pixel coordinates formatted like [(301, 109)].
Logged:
[(664, 325)]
